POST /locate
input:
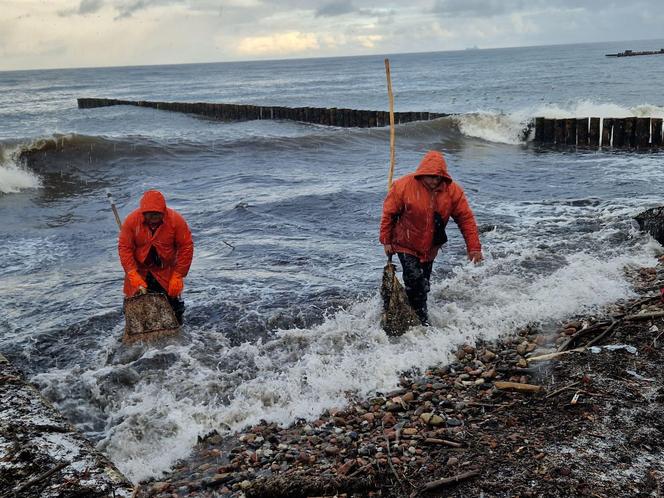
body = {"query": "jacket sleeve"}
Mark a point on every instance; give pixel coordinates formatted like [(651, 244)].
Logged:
[(392, 207), (126, 245), (184, 245), (463, 216)]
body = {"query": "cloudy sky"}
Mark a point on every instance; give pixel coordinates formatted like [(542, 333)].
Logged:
[(78, 33)]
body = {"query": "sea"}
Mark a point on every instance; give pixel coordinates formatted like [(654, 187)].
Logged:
[(283, 306)]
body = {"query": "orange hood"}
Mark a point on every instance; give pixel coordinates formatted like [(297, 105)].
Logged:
[(433, 163), (153, 200)]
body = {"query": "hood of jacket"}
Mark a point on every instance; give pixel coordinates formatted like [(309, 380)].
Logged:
[(153, 200), (433, 163)]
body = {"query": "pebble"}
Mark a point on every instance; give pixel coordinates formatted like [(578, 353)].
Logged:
[(331, 450)]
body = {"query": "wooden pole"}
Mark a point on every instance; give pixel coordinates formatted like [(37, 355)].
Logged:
[(115, 210), (390, 95)]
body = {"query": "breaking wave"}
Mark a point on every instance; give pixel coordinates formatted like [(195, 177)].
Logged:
[(13, 176), (516, 127)]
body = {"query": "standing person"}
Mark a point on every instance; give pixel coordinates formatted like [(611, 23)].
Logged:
[(415, 213), (156, 250)]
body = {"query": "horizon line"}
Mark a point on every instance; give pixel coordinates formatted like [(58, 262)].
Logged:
[(284, 59)]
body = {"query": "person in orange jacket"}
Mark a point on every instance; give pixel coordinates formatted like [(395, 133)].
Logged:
[(156, 249), (415, 214)]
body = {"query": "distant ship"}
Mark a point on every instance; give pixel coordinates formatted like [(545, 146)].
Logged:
[(632, 53)]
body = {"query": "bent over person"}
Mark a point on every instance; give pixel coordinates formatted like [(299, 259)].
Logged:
[(415, 214), (156, 250)]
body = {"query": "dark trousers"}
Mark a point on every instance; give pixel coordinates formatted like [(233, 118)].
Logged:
[(176, 303), (416, 277)]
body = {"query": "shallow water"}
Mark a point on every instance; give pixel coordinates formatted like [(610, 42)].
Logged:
[(286, 324)]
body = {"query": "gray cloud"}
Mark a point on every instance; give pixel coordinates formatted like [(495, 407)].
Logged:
[(90, 6), (335, 9), (480, 8)]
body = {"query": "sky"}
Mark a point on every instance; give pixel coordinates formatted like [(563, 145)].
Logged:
[(89, 33)]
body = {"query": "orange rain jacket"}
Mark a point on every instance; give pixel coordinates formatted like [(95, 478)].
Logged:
[(172, 240), (408, 212)]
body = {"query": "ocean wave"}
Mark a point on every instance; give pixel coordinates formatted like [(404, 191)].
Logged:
[(516, 127), (14, 177)]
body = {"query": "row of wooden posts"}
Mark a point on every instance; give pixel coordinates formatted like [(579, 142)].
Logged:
[(346, 118), (628, 133)]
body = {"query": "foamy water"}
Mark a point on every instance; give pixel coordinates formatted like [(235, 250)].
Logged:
[(285, 325), (14, 178)]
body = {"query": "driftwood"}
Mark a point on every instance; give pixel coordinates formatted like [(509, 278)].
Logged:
[(149, 317), (397, 316), (448, 481), (645, 316), (302, 486), (38, 479), (551, 356), (443, 442), (516, 386)]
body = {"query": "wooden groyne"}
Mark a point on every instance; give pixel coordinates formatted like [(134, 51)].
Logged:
[(41, 454), (632, 53), (345, 118), (620, 133)]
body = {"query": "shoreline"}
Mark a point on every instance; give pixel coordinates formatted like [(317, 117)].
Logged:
[(42, 454), (498, 421)]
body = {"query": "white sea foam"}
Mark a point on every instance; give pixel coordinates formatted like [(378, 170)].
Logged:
[(302, 372), (508, 128), (13, 177)]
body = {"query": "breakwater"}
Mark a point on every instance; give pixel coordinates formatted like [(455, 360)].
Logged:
[(344, 118), (622, 133)]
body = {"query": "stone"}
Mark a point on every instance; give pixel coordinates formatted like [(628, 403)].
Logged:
[(369, 417), (389, 420), (331, 450)]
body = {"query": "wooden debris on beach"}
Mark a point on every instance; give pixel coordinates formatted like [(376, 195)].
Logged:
[(398, 316), (149, 317), (41, 454)]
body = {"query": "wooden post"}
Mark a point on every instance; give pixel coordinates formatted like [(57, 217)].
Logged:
[(630, 132), (559, 131), (390, 97), (582, 132), (642, 135), (656, 132), (372, 119), (607, 132), (594, 136), (539, 130), (618, 133), (570, 131), (548, 131)]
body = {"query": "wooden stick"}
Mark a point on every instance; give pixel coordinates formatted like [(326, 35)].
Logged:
[(573, 384), (41, 477), (552, 356), (390, 95), (516, 386), (645, 316), (608, 330), (450, 480), (444, 442)]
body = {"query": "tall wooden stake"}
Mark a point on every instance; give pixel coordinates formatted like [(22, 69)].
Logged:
[(392, 132)]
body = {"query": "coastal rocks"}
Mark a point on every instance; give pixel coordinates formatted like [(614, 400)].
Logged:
[(493, 412), (41, 454)]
